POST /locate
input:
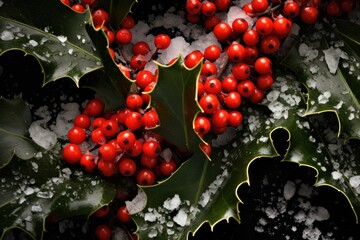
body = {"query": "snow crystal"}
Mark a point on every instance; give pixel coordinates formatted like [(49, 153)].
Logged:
[(339, 105), (355, 181), (64, 120), (311, 234), (311, 83), (178, 46), (289, 190), (138, 203), (332, 58), (173, 203), (7, 35), (62, 39), (1, 3), (181, 218), (41, 136), (324, 97), (33, 43), (29, 191), (153, 233), (36, 208), (308, 52), (271, 212)]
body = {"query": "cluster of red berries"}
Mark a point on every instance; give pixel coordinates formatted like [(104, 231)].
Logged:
[(335, 8), (118, 143)]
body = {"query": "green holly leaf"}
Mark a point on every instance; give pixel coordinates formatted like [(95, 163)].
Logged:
[(175, 99), (14, 136), (52, 33), (42, 186), (334, 89)]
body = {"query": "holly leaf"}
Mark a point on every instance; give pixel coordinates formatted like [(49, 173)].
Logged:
[(175, 99), (313, 142), (52, 33), (42, 186), (331, 78), (14, 125)]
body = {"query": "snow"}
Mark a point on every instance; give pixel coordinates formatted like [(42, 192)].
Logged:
[(332, 58), (324, 97), (7, 35), (181, 218), (138, 203), (42, 136), (62, 39), (308, 52), (289, 190), (173, 203)]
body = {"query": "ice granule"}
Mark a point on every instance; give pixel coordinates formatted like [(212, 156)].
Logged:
[(138, 203), (324, 97), (173, 203), (311, 233), (181, 218), (7, 35), (289, 190), (33, 43), (308, 52), (42, 136), (355, 181), (332, 58), (62, 39)]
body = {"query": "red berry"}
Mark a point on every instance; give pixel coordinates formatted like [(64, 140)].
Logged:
[(109, 128), (135, 150), (347, 5), (123, 36), (103, 232), (107, 169), (257, 97), (202, 125), (162, 41), (148, 162), (212, 52), (71, 153), (246, 88), (87, 162), (211, 22), (229, 84), (263, 65), (309, 14), (109, 34), (282, 27), (78, 8), (220, 118), (98, 137), (123, 214), (138, 62), (193, 18), (259, 6), (122, 114), (167, 167), (125, 140), (150, 119), (128, 22), (127, 167), (134, 101), (107, 152), (233, 100), (208, 8), (209, 103), (100, 17), (206, 148), (222, 5), (235, 118), (145, 177), (88, 2), (213, 86), (97, 123), (241, 71), (240, 25), (270, 44), (333, 9), (145, 96), (76, 135), (94, 108), (264, 26), (291, 9), (193, 58), (247, 8), (251, 37), (222, 31), (66, 2), (251, 54), (133, 121), (144, 78), (208, 69), (236, 52), (141, 48), (264, 82), (193, 7), (151, 148)]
